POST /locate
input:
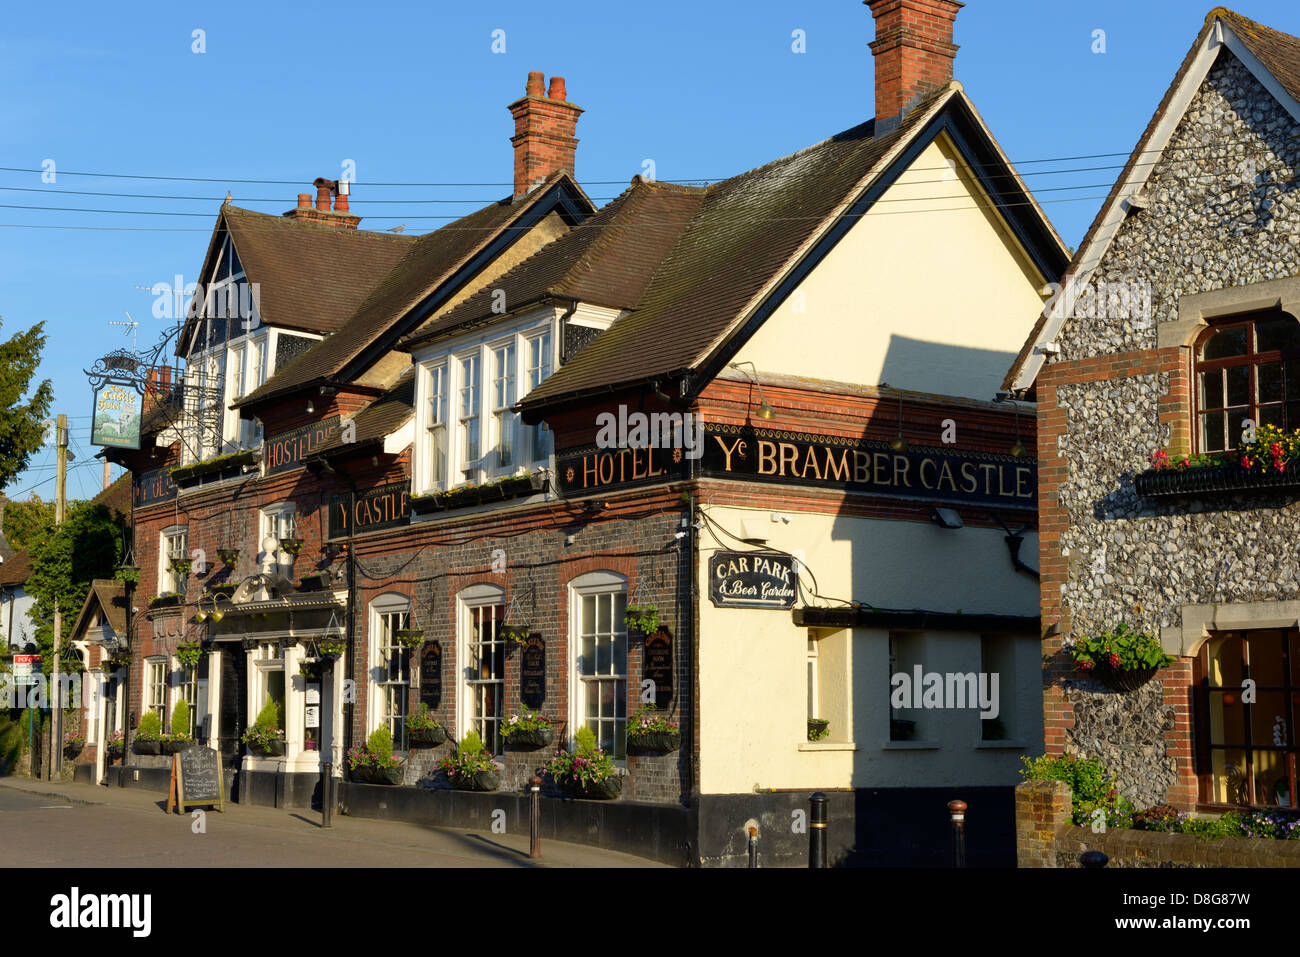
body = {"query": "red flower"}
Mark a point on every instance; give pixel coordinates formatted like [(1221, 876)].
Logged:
[(1114, 661)]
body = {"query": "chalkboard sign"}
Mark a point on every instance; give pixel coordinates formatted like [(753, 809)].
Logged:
[(532, 672), (431, 673), (657, 665), (196, 779)]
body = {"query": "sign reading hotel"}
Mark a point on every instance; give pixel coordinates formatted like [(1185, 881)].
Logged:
[(752, 580), (943, 475), (381, 507), (117, 416), (595, 470), (155, 486), (289, 449)]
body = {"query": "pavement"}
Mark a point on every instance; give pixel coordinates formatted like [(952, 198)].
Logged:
[(63, 824)]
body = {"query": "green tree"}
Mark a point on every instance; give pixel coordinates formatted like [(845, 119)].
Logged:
[(88, 545), (26, 523), (22, 431)]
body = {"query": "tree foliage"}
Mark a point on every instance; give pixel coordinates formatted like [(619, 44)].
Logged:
[(88, 545), (21, 424), (27, 523)]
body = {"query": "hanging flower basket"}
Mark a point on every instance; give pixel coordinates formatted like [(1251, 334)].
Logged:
[(1123, 659), (127, 574), (188, 653), (182, 566), (641, 620), (409, 637), (311, 668), (515, 634), (292, 546), (1124, 680), (333, 649), (655, 742), (228, 556)]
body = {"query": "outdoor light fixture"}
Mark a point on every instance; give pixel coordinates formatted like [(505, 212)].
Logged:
[(311, 406), (765, 411), (946, 517), (899, 444), (1018, 450)]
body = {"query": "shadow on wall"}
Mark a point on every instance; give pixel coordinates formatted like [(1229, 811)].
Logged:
[(919, 366)]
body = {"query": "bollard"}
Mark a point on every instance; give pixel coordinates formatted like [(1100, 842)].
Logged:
[(753, 845), (326, 795), (535, 817), (1093, 859), (957, 810), (817, 830)]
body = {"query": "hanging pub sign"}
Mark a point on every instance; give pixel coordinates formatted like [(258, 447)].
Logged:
[(752, 580), (532, 672), (657, 666), (431, 673), (381, 507), (288, 449), (828, 461), (117, 416), (155, 486)]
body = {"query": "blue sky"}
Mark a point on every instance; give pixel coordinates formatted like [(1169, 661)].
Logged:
[(413, 93)]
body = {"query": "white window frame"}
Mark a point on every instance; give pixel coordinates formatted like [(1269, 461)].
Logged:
[(381, 683), (267, 657), (597, 585), (540, 441), (154, 685), (471, 601), (469, 393), (814, 678), (188, 691), (272, 524), (168, 580), (504, 389), (435, 378)]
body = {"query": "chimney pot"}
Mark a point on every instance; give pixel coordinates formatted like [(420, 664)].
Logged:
[(323, 198), (304, 200), (544, 142), (556, 92), (535, 81), (341, 203)]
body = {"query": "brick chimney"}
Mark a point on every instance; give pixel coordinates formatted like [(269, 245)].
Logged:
[(914, 53), (338, 215), (544, 128)]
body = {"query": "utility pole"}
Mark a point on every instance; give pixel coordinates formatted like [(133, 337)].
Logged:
[(54, 697)]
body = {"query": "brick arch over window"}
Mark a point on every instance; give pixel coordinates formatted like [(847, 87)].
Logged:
[(1246, 368)]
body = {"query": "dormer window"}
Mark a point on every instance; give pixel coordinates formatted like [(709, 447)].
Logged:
[(1247, 368)]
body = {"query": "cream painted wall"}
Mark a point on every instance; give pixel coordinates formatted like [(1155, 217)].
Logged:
[(753, 662), (928, 292)]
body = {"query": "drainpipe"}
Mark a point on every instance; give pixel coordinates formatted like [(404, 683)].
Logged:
[(568, 314)]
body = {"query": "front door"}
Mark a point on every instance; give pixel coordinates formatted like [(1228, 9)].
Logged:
[(234, 713)]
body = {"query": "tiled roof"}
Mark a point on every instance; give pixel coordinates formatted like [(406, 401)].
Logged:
[(117, 497), (16, 569), (1279, 52), (744, 233), (110, 597), (605, 261), (380, 418), (428, 262)]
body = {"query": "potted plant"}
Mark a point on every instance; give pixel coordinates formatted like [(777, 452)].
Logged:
[(819, 728), (311, 669), (114, 660), (127, 574), (73, 742), (180, 738), (587, 771), (641, 619), (188, 653), (650, 732), (266, 737), (518, 634), (333, 648), (374, 763), (291, 546), (527, 730), (1124, 659), (182, 566), (471, 768), (115, 746), (409, 638), (228, 556), (148, 734), (423, 729)]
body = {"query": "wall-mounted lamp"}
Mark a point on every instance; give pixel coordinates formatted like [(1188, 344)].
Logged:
[(311, 407), (1018, 450), (765, 411), (946, 518), (899, 444)]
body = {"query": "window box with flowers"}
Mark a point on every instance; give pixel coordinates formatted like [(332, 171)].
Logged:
[(1270, 463), (527, 731), (586, 771), (1123, 659), (224, 590), (471, 768), (149, 734), (649, 732), (167, 600), (423, 730), (374, 763), (266, 737)]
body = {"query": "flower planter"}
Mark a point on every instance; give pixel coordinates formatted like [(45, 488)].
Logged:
[(817, 728), (115, 754), (531, 739), (147, 747), (388, 777), (273, 750), (656, 742), (476, 781), (224, 590), (428, 739), (311, 583), (606, 790), (70, 751), (1211, 480), (176, 747), (166, 601), (1123, 680)]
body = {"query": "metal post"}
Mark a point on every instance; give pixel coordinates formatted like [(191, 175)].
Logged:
[(326, 795), (1093, 859), (535, 818), (957, 810), (753, 846), (817, 830)]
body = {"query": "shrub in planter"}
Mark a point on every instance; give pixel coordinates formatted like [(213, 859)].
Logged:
[(148, 734), (180, 738), (1093, 787), (374, 763), (423, 729), (586, 771), (115, 745), (651, 732), (266, 737), (1124, 659), (73, 743), (641, 619), (471, 768), (527, 730)]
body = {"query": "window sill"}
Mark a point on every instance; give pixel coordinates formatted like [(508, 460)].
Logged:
[(911, 746), (1005, 744), (827, 746), (464, 496)]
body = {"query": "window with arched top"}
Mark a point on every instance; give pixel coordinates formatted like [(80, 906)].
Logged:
[(1247, 367)]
